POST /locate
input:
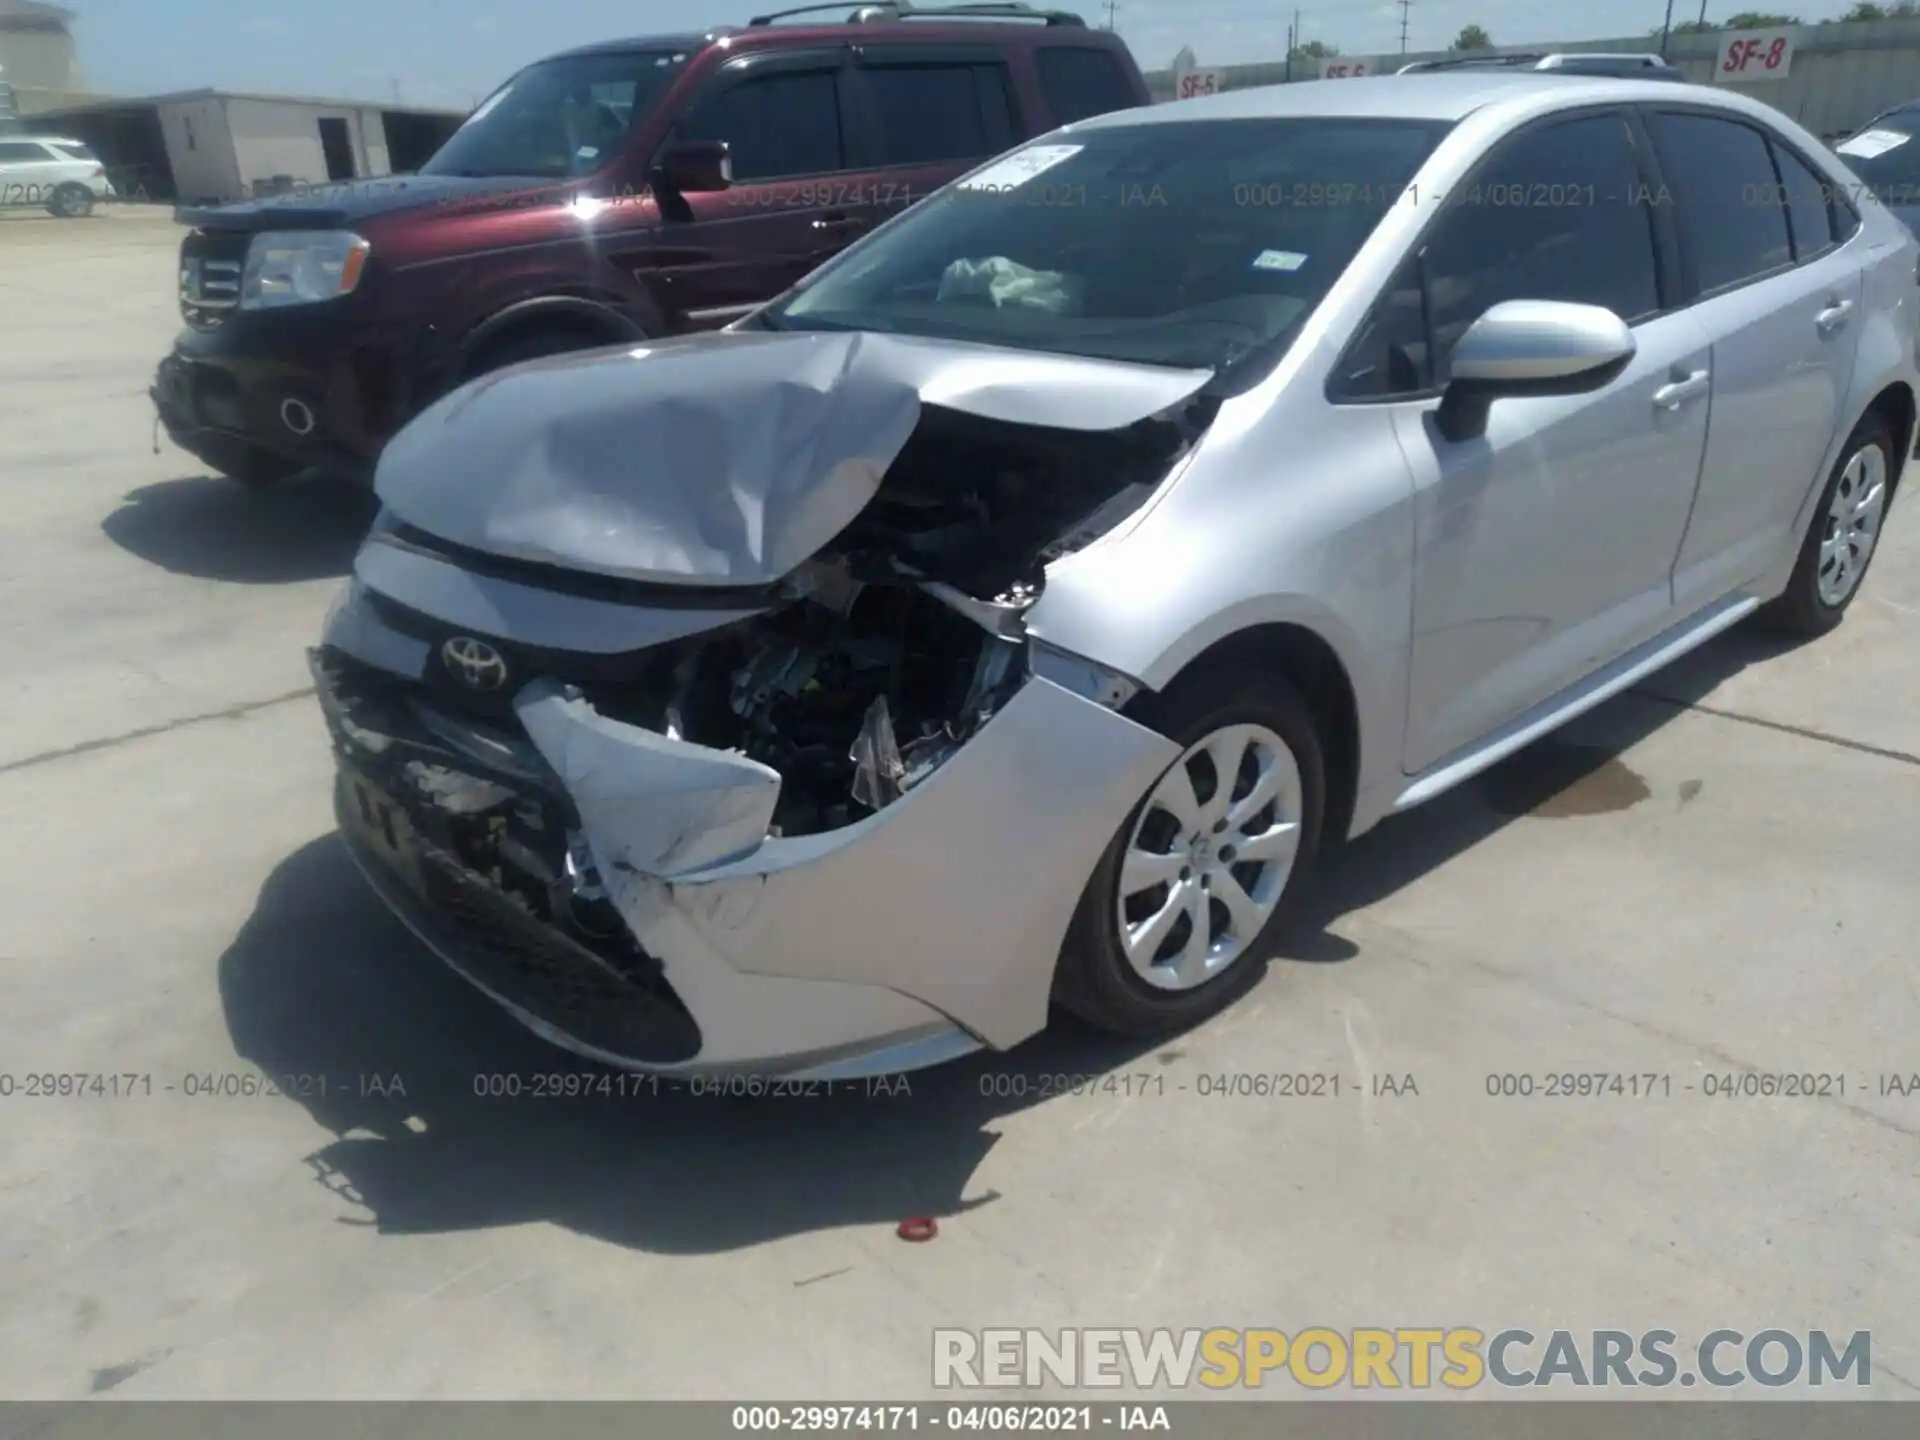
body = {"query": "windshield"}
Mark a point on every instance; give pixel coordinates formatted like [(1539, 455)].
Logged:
[(1886, 157), (1196, 244), (560, 118)]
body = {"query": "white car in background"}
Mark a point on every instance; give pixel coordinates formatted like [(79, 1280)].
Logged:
[(54, 172)]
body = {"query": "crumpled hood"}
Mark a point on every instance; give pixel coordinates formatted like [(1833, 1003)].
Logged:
[(726, 458)]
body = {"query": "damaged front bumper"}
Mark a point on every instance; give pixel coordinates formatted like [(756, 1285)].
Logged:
[(676, 934)]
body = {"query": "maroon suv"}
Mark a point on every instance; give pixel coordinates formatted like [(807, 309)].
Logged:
[(630, 189)]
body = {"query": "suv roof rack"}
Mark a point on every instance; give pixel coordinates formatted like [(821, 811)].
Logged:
[(1575, 61), (906, 10)]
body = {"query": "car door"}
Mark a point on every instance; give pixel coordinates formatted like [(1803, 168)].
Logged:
[(787, 124), (25, 167), (1780, 297), (935, 112), (1545, 548)]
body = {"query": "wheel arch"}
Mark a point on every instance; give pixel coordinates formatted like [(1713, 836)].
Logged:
[(577, 313), (1314, 665), (1896, 403)]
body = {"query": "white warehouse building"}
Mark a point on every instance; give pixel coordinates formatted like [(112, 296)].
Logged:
[(203, 145)]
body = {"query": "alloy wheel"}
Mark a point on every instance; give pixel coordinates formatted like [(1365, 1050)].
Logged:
[(1209, 857), (1852, 526)]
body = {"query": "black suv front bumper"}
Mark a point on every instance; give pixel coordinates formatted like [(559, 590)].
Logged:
[(273, 392)]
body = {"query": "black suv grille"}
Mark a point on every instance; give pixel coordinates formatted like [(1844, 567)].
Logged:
[(212, 263)]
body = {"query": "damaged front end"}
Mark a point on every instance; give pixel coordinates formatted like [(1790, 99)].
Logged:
[(829, 823)]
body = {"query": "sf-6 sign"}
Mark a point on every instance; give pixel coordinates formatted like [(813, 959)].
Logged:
[(1749, 55), (1195, 83), (1339, 67)]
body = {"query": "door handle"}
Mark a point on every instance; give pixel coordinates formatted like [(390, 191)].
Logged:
[(1678, 392), (835, 224), (1833, 317)]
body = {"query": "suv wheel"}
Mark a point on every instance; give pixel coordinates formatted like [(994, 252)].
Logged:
[(518, 345), (71, 202)]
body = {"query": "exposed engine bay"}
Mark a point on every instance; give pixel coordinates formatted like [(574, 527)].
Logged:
[(903, 637)]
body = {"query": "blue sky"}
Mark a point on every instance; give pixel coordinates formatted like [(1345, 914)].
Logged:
[(448, 52)]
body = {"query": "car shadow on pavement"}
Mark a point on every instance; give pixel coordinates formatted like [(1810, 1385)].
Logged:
[(395, 1055), (305, 528), (323, 986), (1575, 772)]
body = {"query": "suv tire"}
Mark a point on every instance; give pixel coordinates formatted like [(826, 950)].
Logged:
[(71, 202)]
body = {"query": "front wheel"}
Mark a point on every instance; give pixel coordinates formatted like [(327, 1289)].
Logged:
[(1184, 905), (71, 202), (1841, 541)]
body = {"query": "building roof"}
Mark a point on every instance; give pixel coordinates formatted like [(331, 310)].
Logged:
[(35, 10), (135, 102)]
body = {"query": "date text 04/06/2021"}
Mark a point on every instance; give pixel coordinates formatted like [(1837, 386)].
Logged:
[(1041, 1418)]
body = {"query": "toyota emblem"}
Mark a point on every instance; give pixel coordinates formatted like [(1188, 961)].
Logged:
[(474, 663)]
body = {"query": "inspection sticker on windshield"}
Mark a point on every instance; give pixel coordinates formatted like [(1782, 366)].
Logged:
[(1869, 143), (1279, 260), (1020, 167)]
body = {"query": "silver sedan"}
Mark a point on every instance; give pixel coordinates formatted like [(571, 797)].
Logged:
[(1011, 612)]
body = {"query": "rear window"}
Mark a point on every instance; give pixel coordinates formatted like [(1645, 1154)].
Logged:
[(1886, 156), (73, 150), (930, 113), (1080, 82)]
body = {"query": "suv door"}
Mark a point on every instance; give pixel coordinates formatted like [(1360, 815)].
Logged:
[(936, 111), (1779, 295), (1545, 549), (26, 172), (787, 124)]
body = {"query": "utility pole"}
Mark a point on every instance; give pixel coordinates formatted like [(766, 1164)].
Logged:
[(1406, 6), (1293, 41), (1666, 30), (1703, 13), (1112, 8)]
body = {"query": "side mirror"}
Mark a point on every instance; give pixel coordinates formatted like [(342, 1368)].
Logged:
[(694, 167), (1530, 347)]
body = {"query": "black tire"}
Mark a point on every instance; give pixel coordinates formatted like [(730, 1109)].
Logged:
[(1800, 610), (532, 344), (71, 202), (1094, 979)]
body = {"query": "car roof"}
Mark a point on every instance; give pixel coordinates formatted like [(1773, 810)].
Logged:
[(1442, 95), (930, 29), (48, 139)]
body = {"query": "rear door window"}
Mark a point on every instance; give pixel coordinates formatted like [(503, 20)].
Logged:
[(1080, 82), (776, 126), (1730, 207), (934, 112), (1810, 213)]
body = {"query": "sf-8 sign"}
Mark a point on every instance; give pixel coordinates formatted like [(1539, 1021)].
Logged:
[(1340, 68), (1749, 55)]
